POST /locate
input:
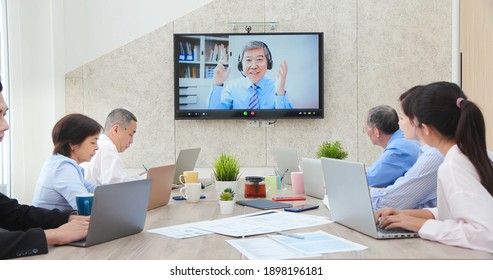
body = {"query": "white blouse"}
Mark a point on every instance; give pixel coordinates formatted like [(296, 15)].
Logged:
[(464, 213), (106, 167)]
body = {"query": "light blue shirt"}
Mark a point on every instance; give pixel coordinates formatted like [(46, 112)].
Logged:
[(236, 94), (417, 189), (396, 159), (61, 179)]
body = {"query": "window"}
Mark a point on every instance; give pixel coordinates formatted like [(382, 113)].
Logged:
[(4, 66)]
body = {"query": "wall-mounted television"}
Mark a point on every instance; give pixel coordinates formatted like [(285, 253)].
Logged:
[(248, 76)]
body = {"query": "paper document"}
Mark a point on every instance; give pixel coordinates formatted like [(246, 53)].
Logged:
[(180, 231), (280, 247), (265, 249), (318, 242), (264, 222)]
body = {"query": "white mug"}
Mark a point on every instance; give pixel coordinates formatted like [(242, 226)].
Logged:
[(191, 191)]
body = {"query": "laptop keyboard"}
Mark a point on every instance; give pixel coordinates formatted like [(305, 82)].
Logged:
[(386, 231), (399, 232)]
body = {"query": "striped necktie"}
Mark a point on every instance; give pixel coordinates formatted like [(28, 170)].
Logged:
[(254, 104)]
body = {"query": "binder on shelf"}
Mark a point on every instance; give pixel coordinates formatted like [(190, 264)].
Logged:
[(189, 71), (196, 53), (194, 72), (216, 53), (181, 56), (189, 56), (222, 53)]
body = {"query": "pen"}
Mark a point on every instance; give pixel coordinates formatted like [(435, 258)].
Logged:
[(145, 167), (290, 235), (282, 177)]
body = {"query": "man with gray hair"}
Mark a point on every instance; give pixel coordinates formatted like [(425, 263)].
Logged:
[(400, 154), (106, 166), (254, 90)]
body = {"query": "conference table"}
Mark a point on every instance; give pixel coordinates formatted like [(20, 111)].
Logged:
[(151, 246)]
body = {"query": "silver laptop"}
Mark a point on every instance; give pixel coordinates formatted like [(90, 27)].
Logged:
[(186, 162), (349, 199), (118, 210), (313, 177), (162, 183), (287, 162)]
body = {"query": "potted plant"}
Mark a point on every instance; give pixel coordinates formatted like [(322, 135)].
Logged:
[(226, 201), (226, 169), (333, 150)]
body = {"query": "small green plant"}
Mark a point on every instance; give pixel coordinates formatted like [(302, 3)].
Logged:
[(226, 168), (332, 150), (227, 195)]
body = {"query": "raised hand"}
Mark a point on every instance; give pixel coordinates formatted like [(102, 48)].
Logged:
[(220, 72), (281, 78)]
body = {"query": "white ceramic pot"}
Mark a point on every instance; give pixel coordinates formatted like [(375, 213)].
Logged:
[(226, 206), (221, 185)]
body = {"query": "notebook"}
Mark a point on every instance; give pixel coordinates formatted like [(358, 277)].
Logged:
[(264, 204), (162, 183), (118, 210), (186, 162), (287, 162), (313, 177), (349, 199)]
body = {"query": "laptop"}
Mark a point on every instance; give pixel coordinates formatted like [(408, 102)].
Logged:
[(349, 199), (162, 183), (313, 177), (118, 210), (287, 162), (186, 162)]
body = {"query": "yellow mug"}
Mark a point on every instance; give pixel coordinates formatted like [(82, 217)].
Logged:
[(189, 177)]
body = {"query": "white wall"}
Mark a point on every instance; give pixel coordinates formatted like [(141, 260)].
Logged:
[(37, 86), (40, 55), (96, 27)]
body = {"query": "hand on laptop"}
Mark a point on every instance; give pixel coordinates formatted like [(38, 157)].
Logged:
[(390, 218), (75, 229), (79, 218)]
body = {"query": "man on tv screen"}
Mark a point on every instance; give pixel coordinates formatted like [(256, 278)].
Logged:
[(254, 90)]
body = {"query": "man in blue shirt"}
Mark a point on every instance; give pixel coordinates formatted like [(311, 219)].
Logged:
[(417, 189), (400, 154), (254, 91)]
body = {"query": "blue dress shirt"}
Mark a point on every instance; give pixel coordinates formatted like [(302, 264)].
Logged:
[(396, 159), (417, 189), (236, 94), (61, 179)]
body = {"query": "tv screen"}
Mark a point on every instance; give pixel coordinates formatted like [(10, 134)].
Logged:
[(245, 76)]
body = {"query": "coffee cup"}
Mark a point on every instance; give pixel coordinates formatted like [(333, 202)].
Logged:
[(191, 191), (297, 182), (84, 203), (189, 177)]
